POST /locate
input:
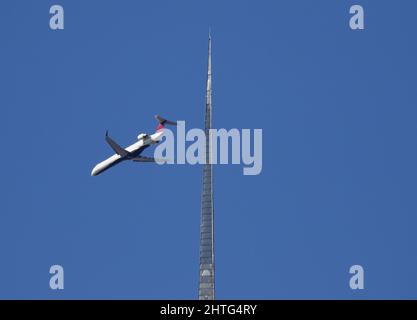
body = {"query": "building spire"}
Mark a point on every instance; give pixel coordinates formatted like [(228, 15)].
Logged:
[(206, 284), (208, 90)]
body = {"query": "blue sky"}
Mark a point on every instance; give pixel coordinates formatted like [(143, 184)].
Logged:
[(338, 109)]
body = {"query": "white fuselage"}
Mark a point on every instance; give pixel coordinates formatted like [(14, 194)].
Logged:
[(142, 142)]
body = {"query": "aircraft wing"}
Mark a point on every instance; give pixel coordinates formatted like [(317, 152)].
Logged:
[(143, 159), (148, 159), (118, 149)]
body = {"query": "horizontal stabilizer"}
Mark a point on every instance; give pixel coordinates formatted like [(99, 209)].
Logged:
[(118, 149), (165, 121)]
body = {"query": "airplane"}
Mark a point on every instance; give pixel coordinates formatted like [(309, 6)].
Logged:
[(133, 152)]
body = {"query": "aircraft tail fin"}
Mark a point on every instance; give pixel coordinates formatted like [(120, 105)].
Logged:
[(163, 122)]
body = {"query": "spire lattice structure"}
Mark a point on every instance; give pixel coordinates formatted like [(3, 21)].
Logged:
[(206, 285)]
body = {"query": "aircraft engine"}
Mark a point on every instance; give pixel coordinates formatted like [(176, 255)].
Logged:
[(141, 136)]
